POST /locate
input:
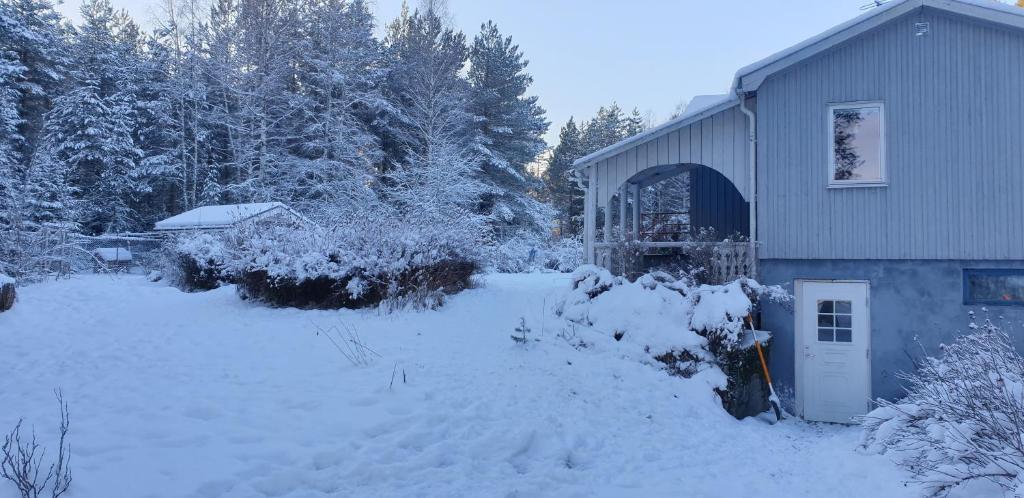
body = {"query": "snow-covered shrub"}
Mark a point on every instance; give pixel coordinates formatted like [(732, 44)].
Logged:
[(357, 264), (196, 261), (662, 311), (688, 327), (962, 421), (529, 253), (564, 254)]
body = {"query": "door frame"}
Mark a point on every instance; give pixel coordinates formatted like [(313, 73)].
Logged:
[(799, 332)]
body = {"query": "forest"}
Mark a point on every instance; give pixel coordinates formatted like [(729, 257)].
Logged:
[(107, 128)]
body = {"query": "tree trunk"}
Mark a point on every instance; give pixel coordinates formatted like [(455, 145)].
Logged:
[(6, 297)]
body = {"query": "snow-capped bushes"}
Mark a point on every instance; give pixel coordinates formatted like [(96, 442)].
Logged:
[(354, 265), (689, 328), (196, 261), (564, 255), (529, 253), (962, 421), (663, 312)]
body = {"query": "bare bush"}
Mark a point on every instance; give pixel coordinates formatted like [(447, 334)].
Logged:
[(963, 417), (24, 460)]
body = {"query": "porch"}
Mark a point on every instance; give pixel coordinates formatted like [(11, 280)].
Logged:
[(702, 162)]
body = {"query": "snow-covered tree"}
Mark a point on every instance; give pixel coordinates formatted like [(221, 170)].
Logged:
[(562, 190), (92, 127), (32, 38), (338, 70), (437, 176), (511, 128)]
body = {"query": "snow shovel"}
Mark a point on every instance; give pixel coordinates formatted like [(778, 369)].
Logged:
[(772, 397)]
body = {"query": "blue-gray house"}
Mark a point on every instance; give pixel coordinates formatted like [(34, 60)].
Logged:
[(878, 170)]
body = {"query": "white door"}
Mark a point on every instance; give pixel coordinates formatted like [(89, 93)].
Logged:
[(833, 350)]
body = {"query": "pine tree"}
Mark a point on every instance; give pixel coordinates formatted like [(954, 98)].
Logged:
[(563, 191), (511, 126)]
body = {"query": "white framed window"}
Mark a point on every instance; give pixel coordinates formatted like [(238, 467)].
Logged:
[(856, 145)]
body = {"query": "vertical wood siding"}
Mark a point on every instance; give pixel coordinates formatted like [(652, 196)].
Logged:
[(954, 111), (718, 142)]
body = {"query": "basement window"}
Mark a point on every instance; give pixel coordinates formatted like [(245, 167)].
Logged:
[(856, 144), (994, 287)]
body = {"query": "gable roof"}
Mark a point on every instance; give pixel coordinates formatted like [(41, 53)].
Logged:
[(749, 78), (224, 216)]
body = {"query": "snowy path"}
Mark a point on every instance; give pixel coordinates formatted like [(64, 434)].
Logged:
[(203, 395)]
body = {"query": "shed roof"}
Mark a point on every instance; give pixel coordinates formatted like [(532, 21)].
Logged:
[(222, 216), (749, 78)]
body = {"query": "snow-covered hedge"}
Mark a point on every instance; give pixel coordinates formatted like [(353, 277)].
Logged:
[(691, 329), (352, 265), (961, 426), (196, 261), (663, 312)]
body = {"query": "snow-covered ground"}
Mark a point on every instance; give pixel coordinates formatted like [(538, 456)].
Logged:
[(202, 395)]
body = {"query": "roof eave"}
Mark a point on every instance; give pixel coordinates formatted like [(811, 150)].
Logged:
[(653, 133)]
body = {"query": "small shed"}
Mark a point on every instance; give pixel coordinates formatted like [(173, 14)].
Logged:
[(112, 259), (222, 217)]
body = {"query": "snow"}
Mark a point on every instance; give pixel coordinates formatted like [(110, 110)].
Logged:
[(703, 102), (204, 395), (111, 254), (216, 216), (4, 279)]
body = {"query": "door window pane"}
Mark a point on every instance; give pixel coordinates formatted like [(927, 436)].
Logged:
[(825, 335), (844, 335), (857, 144), (835, 321)]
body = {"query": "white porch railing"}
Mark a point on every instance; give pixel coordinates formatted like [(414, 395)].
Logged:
[(730, 260)]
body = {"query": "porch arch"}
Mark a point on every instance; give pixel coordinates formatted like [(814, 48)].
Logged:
[(716, 138)]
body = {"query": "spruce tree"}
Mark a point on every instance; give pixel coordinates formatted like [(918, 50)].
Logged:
[(563, 191), (32, 37)]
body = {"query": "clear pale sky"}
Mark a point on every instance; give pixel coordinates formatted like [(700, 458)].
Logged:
[(648, 54)]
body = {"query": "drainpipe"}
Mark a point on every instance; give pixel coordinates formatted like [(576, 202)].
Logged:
[(752, 186)]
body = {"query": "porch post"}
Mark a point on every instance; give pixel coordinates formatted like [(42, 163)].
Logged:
[(636, 211), (589, 213), (623, 200)]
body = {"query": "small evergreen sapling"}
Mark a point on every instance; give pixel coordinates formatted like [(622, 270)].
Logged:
[(523, 332)]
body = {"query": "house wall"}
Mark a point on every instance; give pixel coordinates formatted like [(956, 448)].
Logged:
[(910, 300), (954, 104)]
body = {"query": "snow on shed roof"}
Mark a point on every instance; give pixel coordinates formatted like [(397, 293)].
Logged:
[(750, 77), (218, 216)]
